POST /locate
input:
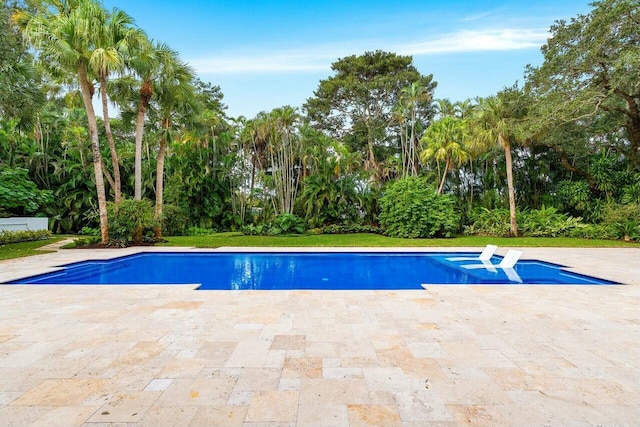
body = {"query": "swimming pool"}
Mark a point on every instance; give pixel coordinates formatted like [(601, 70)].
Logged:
[(332, 271)]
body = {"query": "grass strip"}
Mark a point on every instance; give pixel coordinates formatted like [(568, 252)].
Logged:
[(375, 240)]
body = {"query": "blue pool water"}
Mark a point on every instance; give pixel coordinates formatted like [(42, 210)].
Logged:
[(269, 271)]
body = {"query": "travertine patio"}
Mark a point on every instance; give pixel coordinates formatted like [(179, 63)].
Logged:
[(444, 356)]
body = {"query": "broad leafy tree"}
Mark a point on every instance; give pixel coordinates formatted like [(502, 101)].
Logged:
[(361, 95), (20, 93), (590, 74)]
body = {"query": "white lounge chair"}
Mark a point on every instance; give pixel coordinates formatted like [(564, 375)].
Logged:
[(509, 261), (486, 255)]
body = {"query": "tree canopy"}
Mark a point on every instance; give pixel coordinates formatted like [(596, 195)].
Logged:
[(362, 95), (591, 74)]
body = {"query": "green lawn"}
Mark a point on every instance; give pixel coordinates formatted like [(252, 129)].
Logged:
[(374, 240), (17, 250), (22, 249)]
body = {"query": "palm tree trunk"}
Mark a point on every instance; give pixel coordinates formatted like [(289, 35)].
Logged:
[(162, 151), (138, 152), (146, 92), (512, 198), (159, 187), (112, 145), (95, 148), (444, 176)]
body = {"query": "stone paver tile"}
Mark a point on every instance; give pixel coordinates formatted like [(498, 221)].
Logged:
[(621, 415), (290, 384), (327, 392), (508, 378), (392, 380), (373, 415), (379, 397), (64, 392), (433, 350), (254, 379), (20, 416), (216, 353), (168, 416), (477, 415), (421, 406), (64, 416), (273, 406), (276, 358), (198, 392), (183, 368), (230, 374), (535, 408), (323, 416), (158, 384), (306, 367), (249, 355), (288, 342), (240, 398), (28, 356), (466, 391), (184, 305), (338, 373), (125, 407), (223, 416)]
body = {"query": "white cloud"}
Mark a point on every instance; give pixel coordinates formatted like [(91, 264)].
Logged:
[(478, 41), (319, 58)]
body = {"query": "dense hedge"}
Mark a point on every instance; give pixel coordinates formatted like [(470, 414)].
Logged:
[(23, 236), (410, 207)]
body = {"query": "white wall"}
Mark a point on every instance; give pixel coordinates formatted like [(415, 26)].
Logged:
[(21, 224)]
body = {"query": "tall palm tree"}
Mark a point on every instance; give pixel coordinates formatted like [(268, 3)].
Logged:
[(149, 62), (174, 94), (444, 142), (115, 39), (64, 32), (492, 123)]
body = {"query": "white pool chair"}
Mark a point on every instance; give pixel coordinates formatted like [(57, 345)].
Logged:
[(509, 261), (512, 275), (486, 255)]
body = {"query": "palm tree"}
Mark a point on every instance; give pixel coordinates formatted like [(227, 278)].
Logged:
[(64, 32), (173, 92), (444, 142), (148, 63), (115, 39), (492, 124)]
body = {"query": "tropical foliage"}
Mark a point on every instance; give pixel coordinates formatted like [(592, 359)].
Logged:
[(371, 150)]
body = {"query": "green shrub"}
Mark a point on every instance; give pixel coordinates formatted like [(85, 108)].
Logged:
[(489, 222), (90, 231), (174, 220), (254, 230), (546, 222), (129, 223), (287, 224), (350, 229), (19, 195), (624, 220), (592, 231), (411, 208), (23, 236)]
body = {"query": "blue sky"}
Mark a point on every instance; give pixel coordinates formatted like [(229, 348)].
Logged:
[(266, 54)]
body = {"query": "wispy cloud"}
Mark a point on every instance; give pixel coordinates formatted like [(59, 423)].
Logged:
[(319, 58), (477, 17), (478, 41)]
